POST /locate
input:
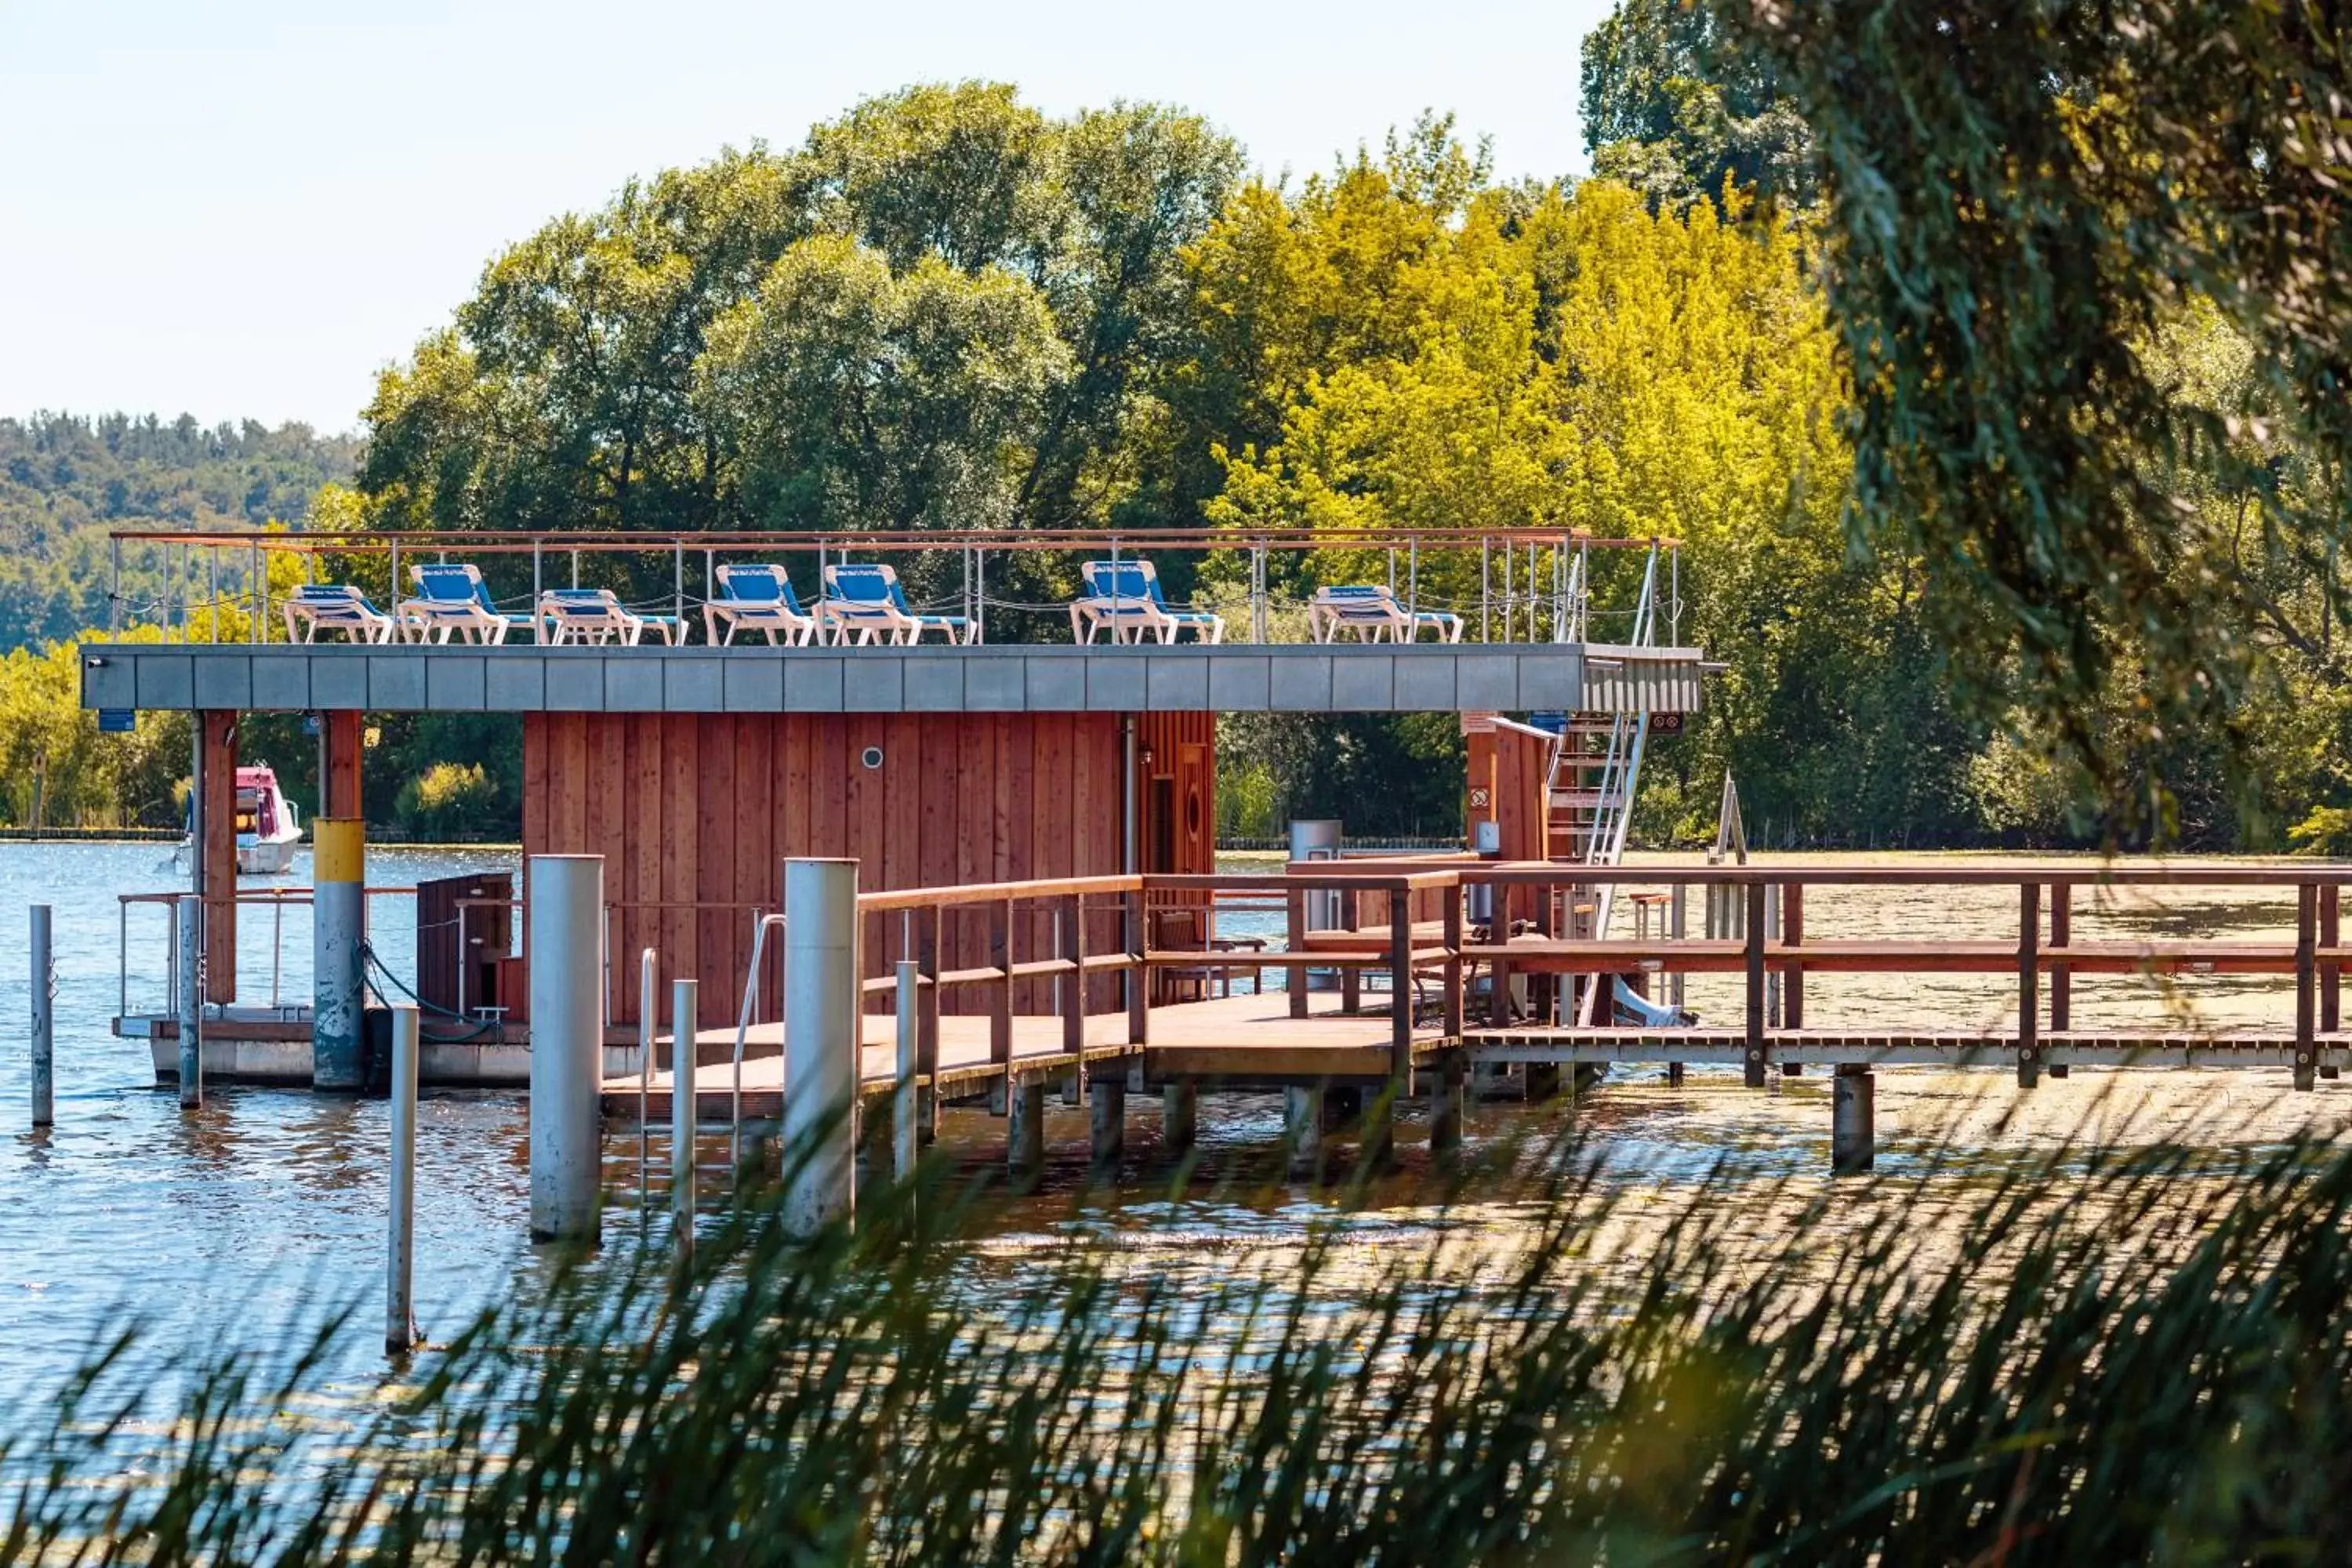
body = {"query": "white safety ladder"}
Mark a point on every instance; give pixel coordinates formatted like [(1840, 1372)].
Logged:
[(1595, 778)]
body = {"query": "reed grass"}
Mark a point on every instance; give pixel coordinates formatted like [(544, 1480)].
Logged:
[(2092, 1356)]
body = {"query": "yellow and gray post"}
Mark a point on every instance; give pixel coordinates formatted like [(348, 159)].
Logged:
[(339, 924)]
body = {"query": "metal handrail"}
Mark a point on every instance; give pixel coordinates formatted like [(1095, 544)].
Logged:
[(742, 1032)]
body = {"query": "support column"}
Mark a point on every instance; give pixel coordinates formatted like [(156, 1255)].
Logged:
[(1180, 1116), (1024, 1127), (1107, 1091), (214, 853), (1302, 1117), (820, 1041), (338, 926), (565, 896), (1446, 1105), (1853, 1115)]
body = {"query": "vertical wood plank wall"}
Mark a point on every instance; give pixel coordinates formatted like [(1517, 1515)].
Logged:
[(693, 811), (1522, 762)]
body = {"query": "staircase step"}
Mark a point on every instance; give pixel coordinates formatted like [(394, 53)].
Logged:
[(1579, 799)]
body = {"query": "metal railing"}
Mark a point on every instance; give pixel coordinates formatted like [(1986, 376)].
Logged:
[(1511, 584)]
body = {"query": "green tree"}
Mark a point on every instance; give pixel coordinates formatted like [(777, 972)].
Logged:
[(2021, 200), (1675, 108)]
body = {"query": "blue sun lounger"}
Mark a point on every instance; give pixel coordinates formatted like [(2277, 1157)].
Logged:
[(1123, 597), (597, 615), (452, 600), (756, 597), (866, 600)]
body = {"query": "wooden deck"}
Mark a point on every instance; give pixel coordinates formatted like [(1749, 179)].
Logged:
[(1236, 1040)]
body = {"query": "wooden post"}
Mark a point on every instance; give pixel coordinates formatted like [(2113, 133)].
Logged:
[(1793, 935), (1400, 991), (2028, 978), (1074, 993), (927, 925), (2062, 974), (2307, 917), (1139, 973), (1754, 1062), (1351, 980), (1000, 958), (2331, 976), (1295, 975), (216, 843), (1454, 990), (342, 737)]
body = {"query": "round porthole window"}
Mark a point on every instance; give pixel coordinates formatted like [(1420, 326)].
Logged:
[(872, 757), (1192, 813)]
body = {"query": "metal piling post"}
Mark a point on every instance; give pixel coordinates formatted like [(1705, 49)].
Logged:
[(44, 994), (400, 1315), (192, 1002)]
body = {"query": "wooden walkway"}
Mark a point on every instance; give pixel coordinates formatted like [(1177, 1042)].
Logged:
[(1236, 1040)]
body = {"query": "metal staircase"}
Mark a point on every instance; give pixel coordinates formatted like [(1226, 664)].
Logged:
[(1594, 777)]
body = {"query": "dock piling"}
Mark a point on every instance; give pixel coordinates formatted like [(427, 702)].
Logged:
[(685, 1024), (567, 1045), (192, 1002), (1180, 1116), (44, 994), (1024, 1127), (1107, 1091), (1446, 1106), (822, 1043), (1853, 1113), (400, 1314), (1302, 1116), (338, 923)]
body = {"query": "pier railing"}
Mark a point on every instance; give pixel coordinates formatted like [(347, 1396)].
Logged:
[(1449, 935), (1504, 584)]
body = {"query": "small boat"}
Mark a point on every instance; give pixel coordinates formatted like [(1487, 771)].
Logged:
[(267, 827)]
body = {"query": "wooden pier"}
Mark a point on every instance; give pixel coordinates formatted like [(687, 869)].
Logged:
[(1411, 919)]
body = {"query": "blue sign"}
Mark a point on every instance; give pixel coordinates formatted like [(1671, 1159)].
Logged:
[(1556, 723), (117, 720)]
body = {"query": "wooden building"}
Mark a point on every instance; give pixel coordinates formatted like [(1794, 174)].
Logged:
[(693, 811)]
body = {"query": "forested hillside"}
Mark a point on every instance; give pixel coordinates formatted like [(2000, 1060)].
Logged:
[(67, 480)]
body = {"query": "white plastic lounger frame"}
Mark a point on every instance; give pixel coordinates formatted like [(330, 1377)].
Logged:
[(1371, 611), (318, 608), (597, 615)]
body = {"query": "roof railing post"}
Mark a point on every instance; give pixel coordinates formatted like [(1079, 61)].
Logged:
[(678, 586), (1486, 587), (537, 633)]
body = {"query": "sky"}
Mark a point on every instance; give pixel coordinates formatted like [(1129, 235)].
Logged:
[(247, 209)]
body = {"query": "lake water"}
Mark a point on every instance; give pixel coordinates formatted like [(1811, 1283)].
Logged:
[(226, 1226)]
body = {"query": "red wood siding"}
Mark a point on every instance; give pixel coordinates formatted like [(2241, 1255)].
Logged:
[(693, 813)]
